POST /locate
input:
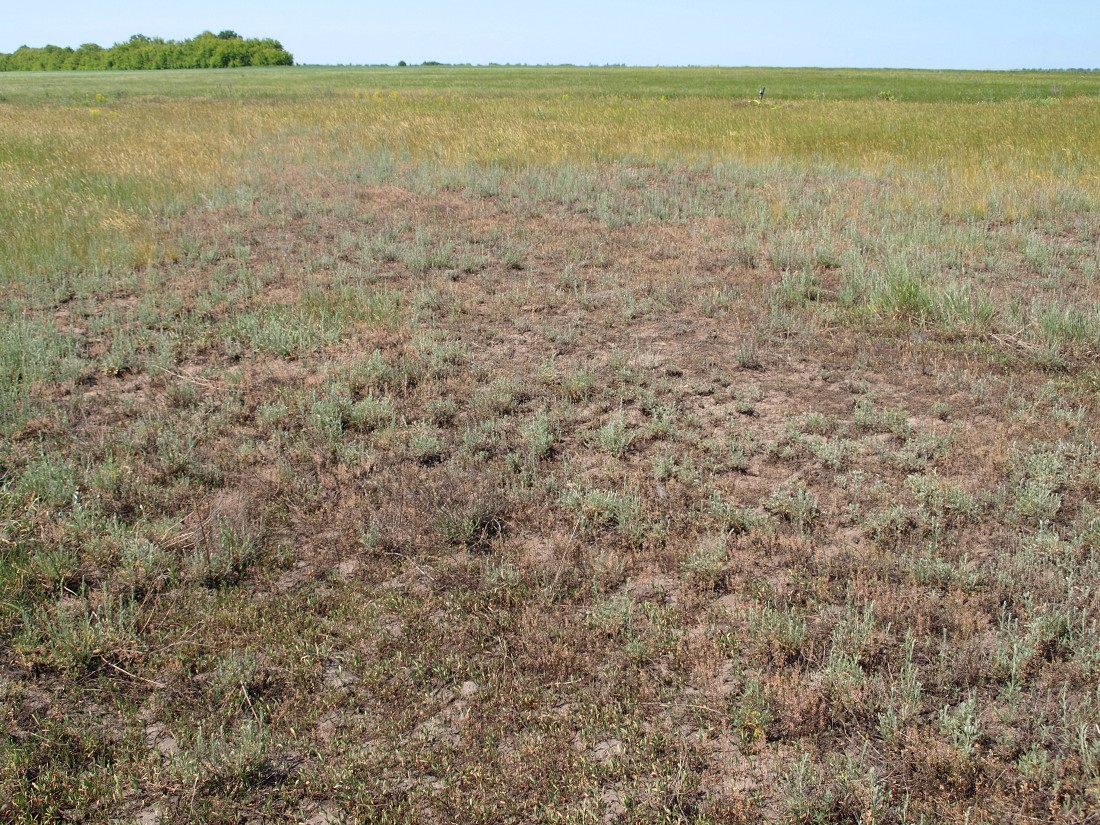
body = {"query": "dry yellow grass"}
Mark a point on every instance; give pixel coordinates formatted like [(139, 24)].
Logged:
[(85, 183)]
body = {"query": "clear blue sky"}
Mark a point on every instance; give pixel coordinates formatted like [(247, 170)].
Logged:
[(950, 34)]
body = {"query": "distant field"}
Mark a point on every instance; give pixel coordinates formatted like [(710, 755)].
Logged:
[(311, 82), (550, 444)]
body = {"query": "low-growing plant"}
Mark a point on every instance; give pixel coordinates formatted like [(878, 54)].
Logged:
[(611, 613), (49, 478), (751, 714), (79, 631), (746, 357), (423, 443), (735, 519), (745, 401), (226, 761), (271, 413), (370, 413), (880, 420), (222, 552), (962, 724), (1040, 474), (707, 560), (472, 526), (500, 397), (481, 440), (540, 433), (578, 384), (798, 288), (611, 508), (795, 504), (781, 632), (920, 450), (941, 502), (325, 419), (615, 437)]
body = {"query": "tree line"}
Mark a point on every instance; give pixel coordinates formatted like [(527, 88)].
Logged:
[(205, 51)]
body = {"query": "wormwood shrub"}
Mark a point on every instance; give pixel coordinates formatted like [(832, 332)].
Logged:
[(794, 504), (49, 478), (501, 396), (368, 373), (900, 295), (904, 696), (745, 400), (440, 358), (325, 419), (869, 417), (540, 433), (615, 437), (32, 351), (707, 560), (853, 632), (442, 411), (283, 330), (55, 566), (662, 418), (833, 453), (372, 413), (1039, 475), (482, 439), (718, 301), (941, 502), (814, 423), (472, 526), (146, 567), (796, 289), (887, 527), (751, 712), (778, 632), (223, 552), (747, 359), (611, 613), (578, 384), (425, 254), (735, 519), (271, 413), (610, 508), (424, 443), (224, 761), (1056, 325), (317, 320), (122, 356), (920, 450), (962, 724), (966, 307), (383, 375), (845, 789), (77, 631)]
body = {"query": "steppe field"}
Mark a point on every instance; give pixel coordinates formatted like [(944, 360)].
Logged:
[(554, 445)]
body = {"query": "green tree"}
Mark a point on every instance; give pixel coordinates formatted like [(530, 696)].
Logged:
[(204, 51)]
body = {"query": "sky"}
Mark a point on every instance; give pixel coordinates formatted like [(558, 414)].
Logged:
[(935, 34)]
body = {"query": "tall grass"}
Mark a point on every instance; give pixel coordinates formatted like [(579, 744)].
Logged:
[(86, 186)]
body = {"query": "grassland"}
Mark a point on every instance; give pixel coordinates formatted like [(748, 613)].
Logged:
[(557, 445)]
